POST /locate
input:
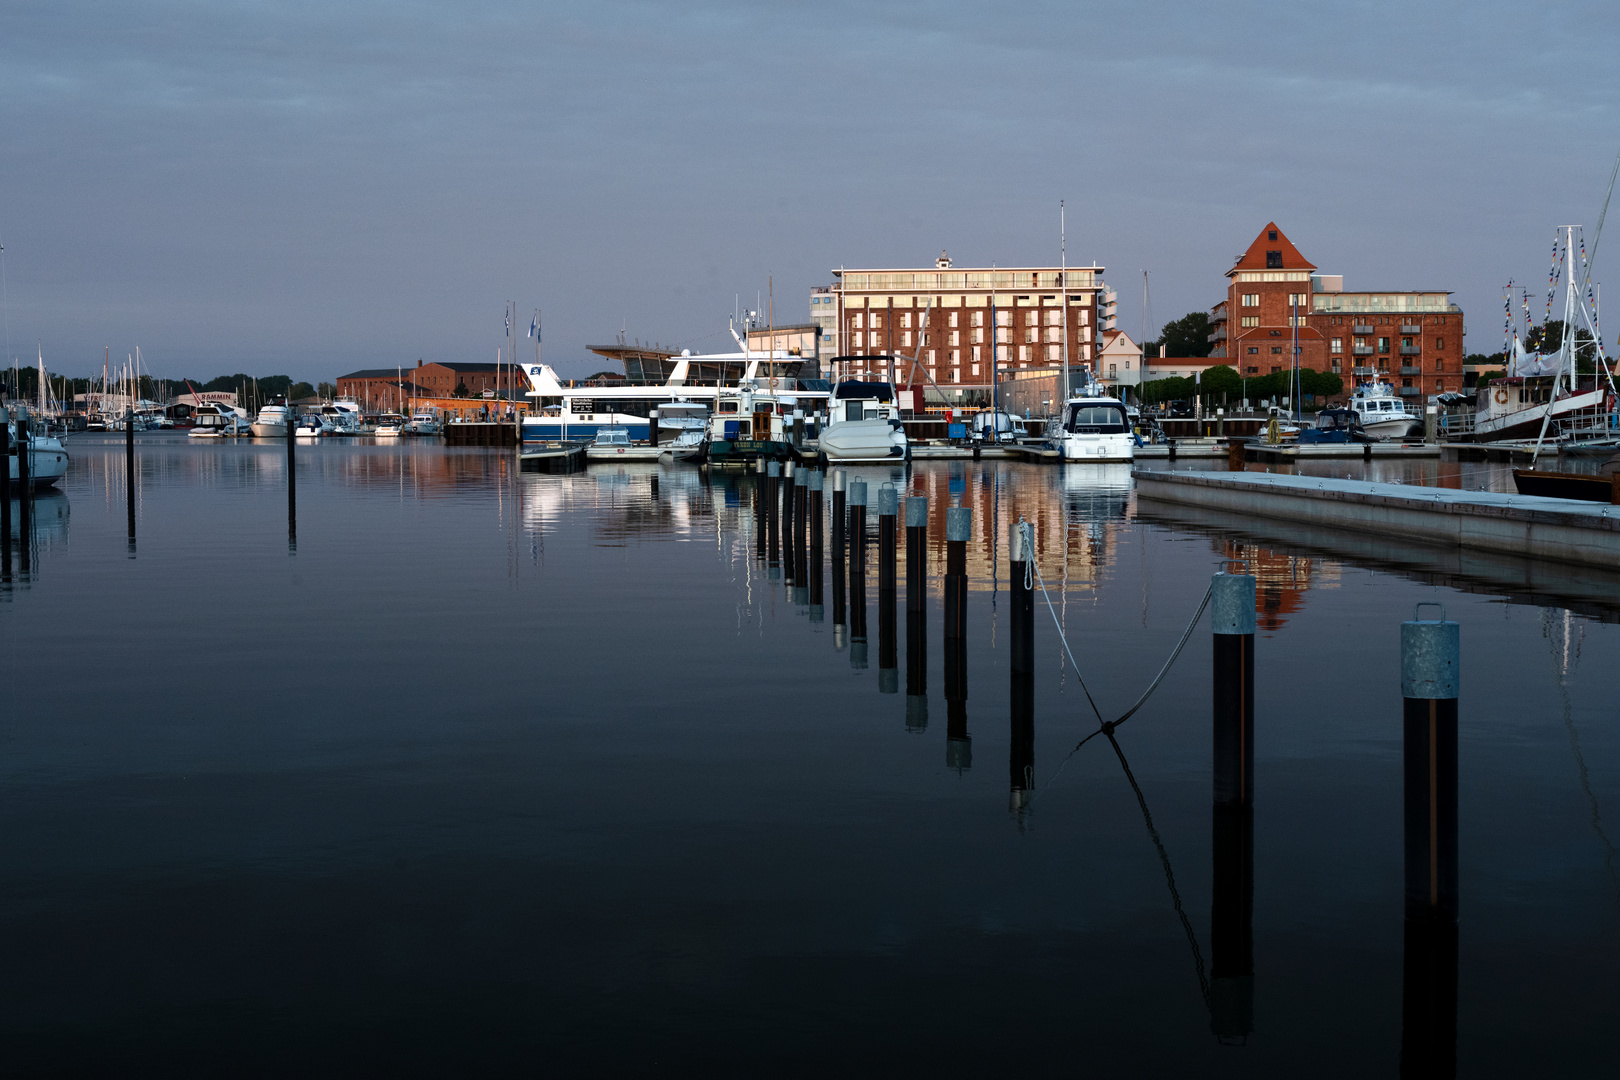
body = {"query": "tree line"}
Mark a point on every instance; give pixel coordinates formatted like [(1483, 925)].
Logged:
[(1222, 383)]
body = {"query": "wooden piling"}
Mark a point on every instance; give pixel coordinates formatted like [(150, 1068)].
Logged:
[(1021, 634), (917, 554), (857, 573)]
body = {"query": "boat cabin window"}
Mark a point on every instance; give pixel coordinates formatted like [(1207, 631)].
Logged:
[(851, 390), (854, 410), (1088, 419), (726, 406)]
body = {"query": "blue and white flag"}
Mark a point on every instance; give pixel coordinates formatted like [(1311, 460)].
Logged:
[(508, 322), (534, 327)]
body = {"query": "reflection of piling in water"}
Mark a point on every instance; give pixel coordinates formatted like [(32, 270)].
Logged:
[(786, 552), (25, 491), (1021, 752), (916, 671), (1430, 654), (129, 473), (857, 573), (888, 579), (1232, 901), (813, 484), (839, 516), (958, 743)]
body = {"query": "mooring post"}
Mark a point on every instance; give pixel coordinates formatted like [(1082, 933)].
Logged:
[(759, 508), (25, 485), (1232, 884), (857, 573), (812, 483), (1021, 635), (916, 554), (5, 493), (1231, 605), (773, 523), (801, 556), (1430, 683), (1234, 456), (839, 555), (292, 480), (888, 582), (786, 509), (958, 529), (652, 427)]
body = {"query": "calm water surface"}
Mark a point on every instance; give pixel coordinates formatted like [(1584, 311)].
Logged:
[(502, 771)]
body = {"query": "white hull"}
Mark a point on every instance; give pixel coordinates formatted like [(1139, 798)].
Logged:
[(1514, 421), (46, 464), (1099, 448), (1397, 427), (269, 431), (851, 441)]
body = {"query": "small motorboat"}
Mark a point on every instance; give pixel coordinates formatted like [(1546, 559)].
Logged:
[(1334, 427), (390, 425)]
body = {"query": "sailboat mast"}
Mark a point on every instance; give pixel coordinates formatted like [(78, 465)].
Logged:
[(1063, 280)]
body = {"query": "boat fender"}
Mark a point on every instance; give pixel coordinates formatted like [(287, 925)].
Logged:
[(1501, 395)]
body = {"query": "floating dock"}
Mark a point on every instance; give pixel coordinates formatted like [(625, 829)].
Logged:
[(1342, 451), (1563, 530)]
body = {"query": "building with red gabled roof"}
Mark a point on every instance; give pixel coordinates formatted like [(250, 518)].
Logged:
[(1277, 302)]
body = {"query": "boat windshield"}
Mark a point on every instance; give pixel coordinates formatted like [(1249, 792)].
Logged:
[(1096, 418), (852, 389), (1335, 420)]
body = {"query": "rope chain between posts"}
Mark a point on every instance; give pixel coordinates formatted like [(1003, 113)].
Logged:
[(1032, 571)]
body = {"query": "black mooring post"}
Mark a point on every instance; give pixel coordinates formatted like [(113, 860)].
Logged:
[(25, 490), (5, 492), (1232, 883), (916, 554), (958, 528), (1021, 635), (759, 508), (773, 473), (292, 479), (801, 553), (857, 573), (888, 598), (839, 556), (813, 483), (652, 428), (1430, 683), (787, 520), (958, 743)]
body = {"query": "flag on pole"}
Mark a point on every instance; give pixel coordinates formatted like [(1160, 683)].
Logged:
[(534, 326), (509, 321)]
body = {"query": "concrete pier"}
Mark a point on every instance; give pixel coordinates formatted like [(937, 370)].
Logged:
[(1558, 529)]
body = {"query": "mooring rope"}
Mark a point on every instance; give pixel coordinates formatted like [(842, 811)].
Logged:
[(1031, 571)]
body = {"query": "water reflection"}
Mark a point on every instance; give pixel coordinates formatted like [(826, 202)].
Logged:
[(35, 528)]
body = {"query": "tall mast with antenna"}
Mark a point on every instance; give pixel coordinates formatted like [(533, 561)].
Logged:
[(1063, 278)]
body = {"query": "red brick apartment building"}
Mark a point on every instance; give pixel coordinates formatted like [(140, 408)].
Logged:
[(1410, 339), (875, 314)]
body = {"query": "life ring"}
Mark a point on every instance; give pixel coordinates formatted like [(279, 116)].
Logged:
[(1501, 395)]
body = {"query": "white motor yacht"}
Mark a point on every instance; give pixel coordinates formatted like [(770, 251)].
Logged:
[(863, 424), (423, 423), (213, 421), (47, 460), (1384, 415), (390, 425), (272, 421), (1094, 427), (310, 426), (343, 417)]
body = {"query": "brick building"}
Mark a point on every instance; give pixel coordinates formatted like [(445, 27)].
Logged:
[(392, 388), (1410, 339), (880, 313)]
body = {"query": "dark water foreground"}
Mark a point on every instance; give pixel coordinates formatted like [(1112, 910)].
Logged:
[(518, 773)]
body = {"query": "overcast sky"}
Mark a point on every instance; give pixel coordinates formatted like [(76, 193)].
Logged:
[(309, 188)]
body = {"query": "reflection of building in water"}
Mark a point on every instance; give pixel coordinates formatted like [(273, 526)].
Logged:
[(1077, 513), (1280, 579)]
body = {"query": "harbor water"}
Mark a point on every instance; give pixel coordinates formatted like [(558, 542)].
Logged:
[(499, 771)]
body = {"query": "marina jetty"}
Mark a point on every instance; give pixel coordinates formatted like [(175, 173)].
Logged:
[(1563, 530)]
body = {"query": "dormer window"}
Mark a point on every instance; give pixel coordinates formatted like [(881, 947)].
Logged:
[(1272, 236), (1273, 260)]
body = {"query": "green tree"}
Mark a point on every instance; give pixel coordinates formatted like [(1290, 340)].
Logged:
[(1186, 336), (461, 390), (327, 390), (1221, 382), (300, 390)]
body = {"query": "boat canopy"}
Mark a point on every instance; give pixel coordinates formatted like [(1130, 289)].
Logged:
[(851, 389)]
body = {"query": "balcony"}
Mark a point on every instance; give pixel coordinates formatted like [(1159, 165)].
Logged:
[(1411, 371), (1362, 350), (1411, 350), (1411, 328), (1361, 329), (1361, 371), (1219, 335), (1411, 391)]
